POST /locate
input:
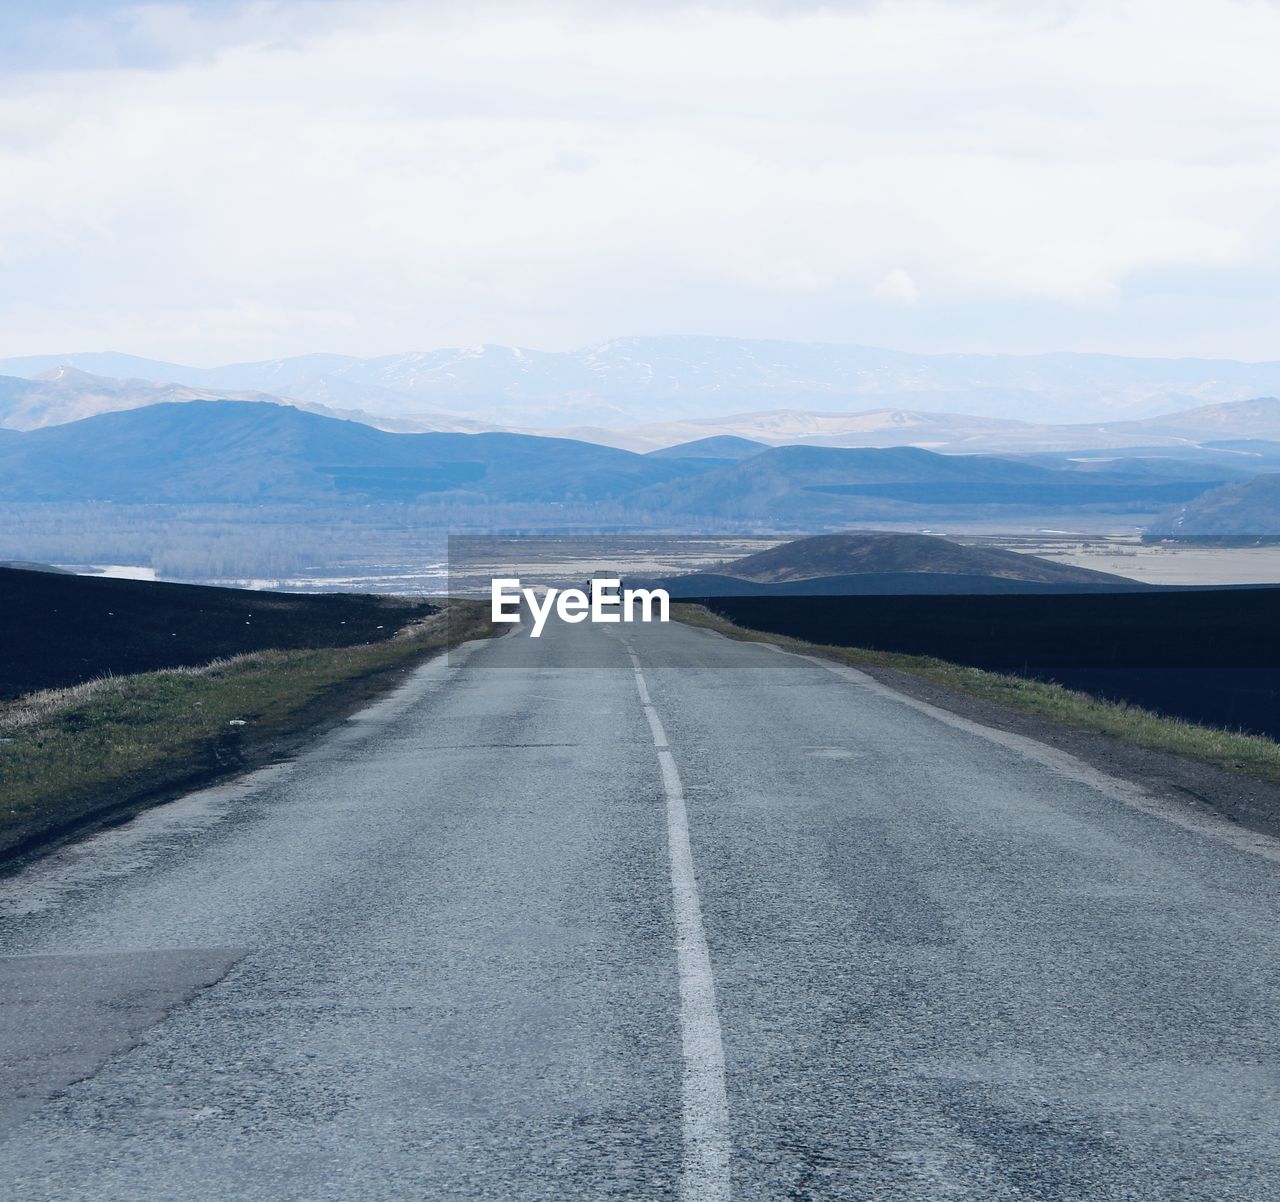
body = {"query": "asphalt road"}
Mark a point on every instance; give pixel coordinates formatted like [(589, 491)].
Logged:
[(557, 923)]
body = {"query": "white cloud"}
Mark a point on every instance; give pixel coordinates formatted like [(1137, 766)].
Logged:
[(284, 177), (897, 288)]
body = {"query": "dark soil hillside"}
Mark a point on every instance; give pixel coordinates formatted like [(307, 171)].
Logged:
[(1207, 655), (59, 630), (1248, 508), (879, 552)]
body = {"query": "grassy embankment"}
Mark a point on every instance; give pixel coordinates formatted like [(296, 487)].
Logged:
[(74, 755), (1250, 755)]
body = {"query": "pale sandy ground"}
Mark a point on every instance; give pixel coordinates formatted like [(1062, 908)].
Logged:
[(1126, 556)]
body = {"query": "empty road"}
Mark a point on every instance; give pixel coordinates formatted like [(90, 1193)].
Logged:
[(639, 912)]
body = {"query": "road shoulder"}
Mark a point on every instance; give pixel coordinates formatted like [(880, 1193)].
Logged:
[(87, 764), (1206, 789)]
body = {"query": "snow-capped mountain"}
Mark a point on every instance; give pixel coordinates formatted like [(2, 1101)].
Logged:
[(632, 381)]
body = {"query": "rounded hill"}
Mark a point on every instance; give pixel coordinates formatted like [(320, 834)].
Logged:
[(879, 552)]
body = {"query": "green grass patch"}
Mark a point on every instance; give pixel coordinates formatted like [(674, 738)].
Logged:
[(67, 754), (1250, 755)]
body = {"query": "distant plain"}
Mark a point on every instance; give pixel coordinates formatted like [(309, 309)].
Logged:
[(1122, 554), (1153, 563)]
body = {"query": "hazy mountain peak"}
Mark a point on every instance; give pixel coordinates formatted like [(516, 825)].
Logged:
[(1233, 415), (627, 380), (67, 375), (722, 446)]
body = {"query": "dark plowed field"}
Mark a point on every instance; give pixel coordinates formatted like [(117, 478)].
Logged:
[(60, 630), (1207, 655)]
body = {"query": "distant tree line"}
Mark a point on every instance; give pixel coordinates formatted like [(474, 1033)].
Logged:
[(228, 542)]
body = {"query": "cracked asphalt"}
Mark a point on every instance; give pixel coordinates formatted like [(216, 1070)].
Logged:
[(434, 958)]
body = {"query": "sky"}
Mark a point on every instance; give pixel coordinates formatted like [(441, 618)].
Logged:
[(227, 181)]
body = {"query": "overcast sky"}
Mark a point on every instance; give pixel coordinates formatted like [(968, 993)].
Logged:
[(220, 181)]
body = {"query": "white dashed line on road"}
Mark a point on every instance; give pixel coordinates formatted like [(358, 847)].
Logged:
[(705, 1103)]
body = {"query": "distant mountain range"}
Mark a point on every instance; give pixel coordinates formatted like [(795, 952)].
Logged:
[(562, 430), (831, 485), (67, 393), (245, 452), (241, 452), (643, 381), (1255, 418)]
